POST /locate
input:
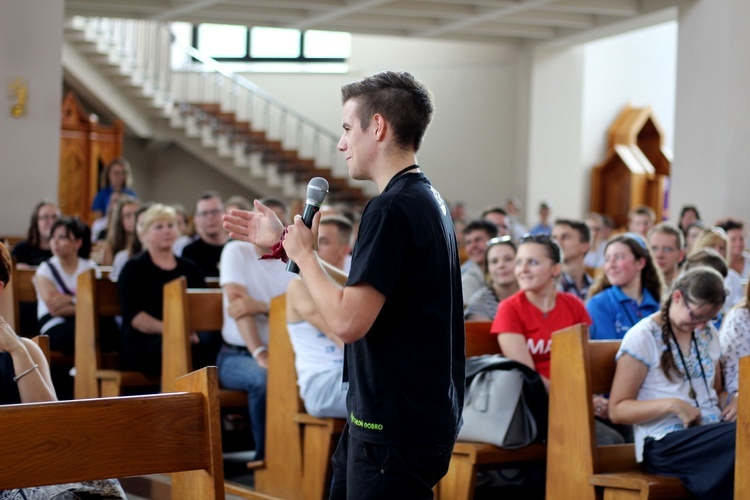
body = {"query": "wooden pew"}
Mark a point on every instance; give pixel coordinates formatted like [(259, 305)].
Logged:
[(468, 457), (95, 378), (576, 466), (742, 457), (85, 440), (19, 289), (188, 310), (298, 445)]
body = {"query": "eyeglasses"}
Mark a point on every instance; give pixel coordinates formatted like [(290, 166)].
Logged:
[(48, 217), (694, 318), (656, 249), (207, 213)]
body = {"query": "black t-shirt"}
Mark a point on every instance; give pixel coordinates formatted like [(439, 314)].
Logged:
[(25, 253), (205, 255), (140, 287), (406, 376)]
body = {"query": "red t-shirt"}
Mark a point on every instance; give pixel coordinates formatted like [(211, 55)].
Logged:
[(517, 315)]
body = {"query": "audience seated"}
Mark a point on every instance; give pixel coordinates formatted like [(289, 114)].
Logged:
[(35, 249), (139, 288), (525, 321), (513, 211), (739, 258), (716, 238), (667, 249), (692, 232), (121, 229), (206, 249), (573, 237), (499, 217), (668, 385), (249, 284), (735, 342), (115, 178), (500, 261), (629, 289), (25, 378), (600, 228), (640, 220), (318, 354), (135, 247), (476, 235), (186, 236), (543, 226), (688, 215), (56, 281)]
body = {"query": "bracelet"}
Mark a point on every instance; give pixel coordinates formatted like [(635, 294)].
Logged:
[(258, 351), (18, 377), (277, 251)]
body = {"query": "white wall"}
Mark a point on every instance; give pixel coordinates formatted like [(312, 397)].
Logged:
[(713, 110), (577, 92), (29, 146), (470, 151)]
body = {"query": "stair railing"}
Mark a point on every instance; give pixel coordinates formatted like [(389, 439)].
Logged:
[(144, 50)]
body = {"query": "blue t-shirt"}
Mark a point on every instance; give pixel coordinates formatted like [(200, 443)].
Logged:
[(101, 200), (613, 313)]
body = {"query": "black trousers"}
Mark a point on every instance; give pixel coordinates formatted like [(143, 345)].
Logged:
[(702, 457), (363, 470)]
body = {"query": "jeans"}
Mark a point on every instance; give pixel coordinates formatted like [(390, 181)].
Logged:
[(239, 371)]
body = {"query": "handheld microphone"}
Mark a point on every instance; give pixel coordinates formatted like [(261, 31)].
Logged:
[(317, 189)]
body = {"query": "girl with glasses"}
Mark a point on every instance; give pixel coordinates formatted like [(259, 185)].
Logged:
[(668, 384), (35, 249)]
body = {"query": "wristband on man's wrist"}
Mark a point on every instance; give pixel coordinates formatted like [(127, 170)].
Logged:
[(259, 350)]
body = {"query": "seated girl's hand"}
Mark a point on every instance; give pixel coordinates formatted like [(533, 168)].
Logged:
[(9, 341), (687, 413), (729, 413), (601, 406)]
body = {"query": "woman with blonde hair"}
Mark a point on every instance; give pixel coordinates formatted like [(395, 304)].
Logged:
[(140, 284)]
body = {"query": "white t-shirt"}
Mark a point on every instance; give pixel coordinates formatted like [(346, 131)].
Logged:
[(313, 352), (263, 279), (70, 280), (644, 343)]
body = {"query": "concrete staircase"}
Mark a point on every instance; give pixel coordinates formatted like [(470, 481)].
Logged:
[(223, 119)]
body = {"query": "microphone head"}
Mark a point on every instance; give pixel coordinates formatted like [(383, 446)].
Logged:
[(317, 189)]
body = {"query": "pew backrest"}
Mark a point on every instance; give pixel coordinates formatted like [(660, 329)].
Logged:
[(185, 310), (95, 298), (581, 368), (479, 340), (84, 440)]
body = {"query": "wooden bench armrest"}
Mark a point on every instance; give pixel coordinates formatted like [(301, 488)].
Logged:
[(661, 487), (333, 423)]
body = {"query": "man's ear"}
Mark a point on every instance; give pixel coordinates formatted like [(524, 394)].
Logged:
[(380, 126)]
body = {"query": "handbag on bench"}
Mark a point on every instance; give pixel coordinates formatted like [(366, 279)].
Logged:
[(505, 403)]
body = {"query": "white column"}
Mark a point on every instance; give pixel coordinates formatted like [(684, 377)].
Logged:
[(712, 125), (31, 33)]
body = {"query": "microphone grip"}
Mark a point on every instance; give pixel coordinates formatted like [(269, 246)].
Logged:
[(307, 218)]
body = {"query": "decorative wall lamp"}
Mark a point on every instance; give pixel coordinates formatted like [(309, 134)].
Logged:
[(18, 90)]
